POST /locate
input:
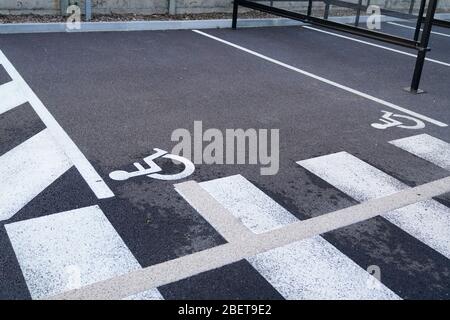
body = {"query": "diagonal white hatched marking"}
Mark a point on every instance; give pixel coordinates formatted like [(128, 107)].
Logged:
[(307, 269), (27, 170), (426, 147), (11, 96), (84, 167), (428, 221), (67, 250), (187, 266)]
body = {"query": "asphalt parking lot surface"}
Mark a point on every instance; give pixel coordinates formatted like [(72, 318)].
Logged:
[(109, 99)]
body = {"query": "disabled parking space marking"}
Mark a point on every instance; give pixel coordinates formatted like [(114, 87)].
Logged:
[(322, 79)]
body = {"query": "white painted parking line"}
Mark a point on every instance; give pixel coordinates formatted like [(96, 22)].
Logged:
[(428, 221), (82, 164), (67, 250), (187, 266), (27, 170), (414, 28), (375, 45), (327, 81), (10, 96), (308, 269), (152, 294), (426, 147)]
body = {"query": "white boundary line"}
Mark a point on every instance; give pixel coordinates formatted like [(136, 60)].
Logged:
[(409, 27), (330, 82), (375, 45), (219, 256), (83, 165)]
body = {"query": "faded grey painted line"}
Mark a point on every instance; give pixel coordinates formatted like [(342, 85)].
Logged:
[(70, 249), (190, 265), (225, 223), (309, 269), (427, 221)]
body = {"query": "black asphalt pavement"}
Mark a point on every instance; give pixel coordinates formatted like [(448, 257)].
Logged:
[(119, 95)]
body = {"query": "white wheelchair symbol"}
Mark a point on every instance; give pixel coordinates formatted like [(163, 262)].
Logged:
[(388, 121), (151, 172)]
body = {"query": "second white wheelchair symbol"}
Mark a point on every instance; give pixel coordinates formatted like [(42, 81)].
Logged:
[(153, 170), (389, 120)]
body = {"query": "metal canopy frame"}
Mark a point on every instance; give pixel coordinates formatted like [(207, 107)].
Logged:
[(419, 43)]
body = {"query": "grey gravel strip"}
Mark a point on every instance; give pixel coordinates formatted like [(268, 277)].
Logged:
[(216, 257)]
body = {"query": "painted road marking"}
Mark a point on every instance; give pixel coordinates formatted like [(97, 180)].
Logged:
[(256, 211), (152, 294), (27, 170), (387, 121), (219, 256), (69, 249), (413, 28), (10, 96), (82, 164), (426, 147), (230, 227), (375, 45), (152, 170), (308, 269), (327, 81), (428, 221)]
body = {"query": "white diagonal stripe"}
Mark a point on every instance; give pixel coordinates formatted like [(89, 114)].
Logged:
[(27, 170), (67, 250), (87, 171), (428, 221), (426, 147), (11, 96), (307, 269)]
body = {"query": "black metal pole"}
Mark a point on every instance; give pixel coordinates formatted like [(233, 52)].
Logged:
[(235, 14), (309, 7), (411, 6), (419, 20), (425, 38), (358, 13), (327, 11)]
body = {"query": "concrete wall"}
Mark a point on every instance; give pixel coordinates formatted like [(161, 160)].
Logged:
[(152, 6)]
